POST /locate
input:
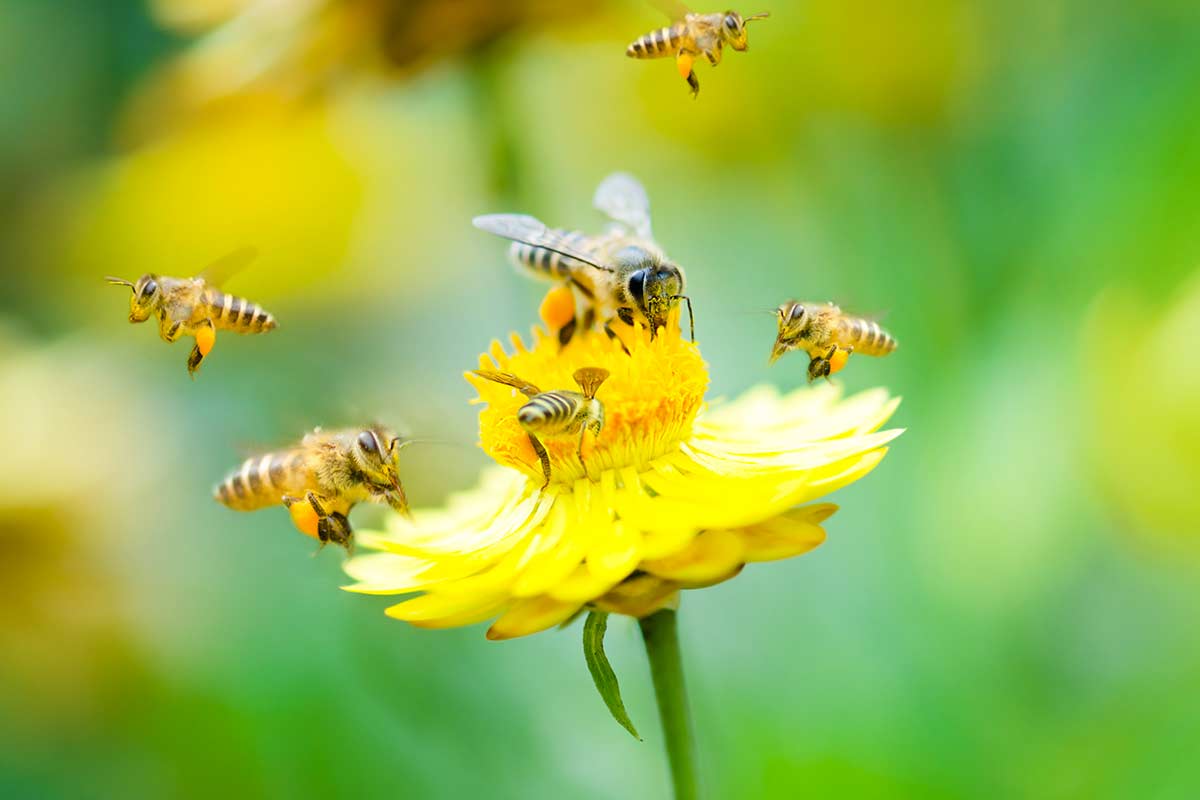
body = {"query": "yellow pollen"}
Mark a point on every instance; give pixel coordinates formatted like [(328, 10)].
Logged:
[(650, 399)]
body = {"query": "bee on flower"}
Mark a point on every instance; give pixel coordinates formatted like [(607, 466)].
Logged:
[(679, 496), (559, 412), (621, 274)]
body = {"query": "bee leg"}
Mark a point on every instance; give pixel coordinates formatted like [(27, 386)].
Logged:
[(206, 336), (543, 456), (304, 516), (172, 332), (582, 433), (608, 329), (683, 62), (315, 502), (566, 332), (337, 530), (331, 527), (820, 366)]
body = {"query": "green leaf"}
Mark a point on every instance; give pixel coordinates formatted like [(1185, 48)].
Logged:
[(602, 672)]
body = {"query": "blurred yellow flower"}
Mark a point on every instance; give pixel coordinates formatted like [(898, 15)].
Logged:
[(679, 497), (1144, 397), (296, 51)]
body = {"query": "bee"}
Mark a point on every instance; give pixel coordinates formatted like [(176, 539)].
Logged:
[(196, 307), (828, 335), (321, 479), (620, 274), (557, 413), (697, 35)]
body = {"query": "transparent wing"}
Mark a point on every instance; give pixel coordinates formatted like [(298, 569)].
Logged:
[(623, 198), (225, 267), (674, 9), (532, 231)]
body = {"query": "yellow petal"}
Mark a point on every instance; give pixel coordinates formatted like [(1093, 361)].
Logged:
[(712, 554), (438, 611), (785, 536), (640, 596), (582, 585), (530, 616)]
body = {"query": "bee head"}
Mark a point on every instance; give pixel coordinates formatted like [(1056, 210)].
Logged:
[(376, 453), (656, 290), (793, 325), (145, 298), (733, 29)]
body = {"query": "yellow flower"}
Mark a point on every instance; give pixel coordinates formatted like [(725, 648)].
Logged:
[(678, 496)]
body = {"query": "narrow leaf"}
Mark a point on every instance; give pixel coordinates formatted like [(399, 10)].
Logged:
[(602, 672)]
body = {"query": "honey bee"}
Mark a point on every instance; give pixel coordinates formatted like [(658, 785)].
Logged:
[(559, 412), (696, 35), (321, 479), (620, 274), (196, 307), (828, 335)]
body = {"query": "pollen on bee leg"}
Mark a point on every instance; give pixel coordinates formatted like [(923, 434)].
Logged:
[(838, 360), (304, 517), (683, 62), (558, 307), (206, 337)]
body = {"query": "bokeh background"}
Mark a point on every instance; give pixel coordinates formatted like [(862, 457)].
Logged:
[(1007, 607)]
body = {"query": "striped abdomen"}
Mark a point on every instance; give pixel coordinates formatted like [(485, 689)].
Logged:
[(865, 336), (262, 481), (232, 313), (551, 412), (547, 263), (659, 43)]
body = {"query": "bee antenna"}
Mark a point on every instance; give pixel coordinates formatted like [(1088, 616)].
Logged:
[(752, 17), (691, 319), (119, 281), (407, 442)]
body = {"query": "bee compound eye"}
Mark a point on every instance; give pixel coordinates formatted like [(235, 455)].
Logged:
[(731, 22), (366, 440), (148, 289), (797, 312), (637, 286)]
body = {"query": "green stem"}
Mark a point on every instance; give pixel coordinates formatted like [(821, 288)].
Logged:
[(661, 634)]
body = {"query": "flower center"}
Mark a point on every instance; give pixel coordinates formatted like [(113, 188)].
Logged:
[(650, 399)]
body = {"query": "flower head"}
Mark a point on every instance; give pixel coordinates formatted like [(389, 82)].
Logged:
[(669, 496)]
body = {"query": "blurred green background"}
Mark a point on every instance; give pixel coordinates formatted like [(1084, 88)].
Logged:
[(1006, 608)]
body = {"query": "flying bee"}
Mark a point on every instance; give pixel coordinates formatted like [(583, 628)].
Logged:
[(559, 412), (828, 335), (695, 36), (620, 274), (321, 479), (196, 307)]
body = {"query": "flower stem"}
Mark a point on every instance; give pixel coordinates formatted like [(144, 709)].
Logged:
[(660, 632)]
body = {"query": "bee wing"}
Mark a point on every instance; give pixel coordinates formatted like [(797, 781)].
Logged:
[(225, 267), (508, 379), (623, 198), (532, 231), (675, 9)]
